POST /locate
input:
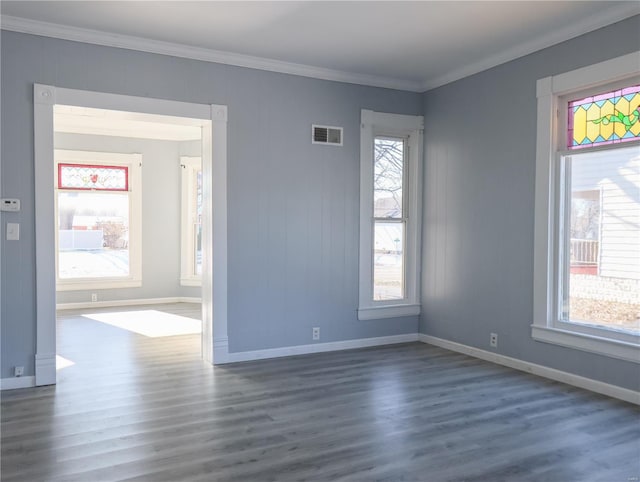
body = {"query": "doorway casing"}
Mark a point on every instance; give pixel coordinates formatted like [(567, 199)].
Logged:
[(213, 121)]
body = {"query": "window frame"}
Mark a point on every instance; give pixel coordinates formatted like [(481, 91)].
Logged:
[(134, 190), (550, 207), (188, 166), (377, 124)]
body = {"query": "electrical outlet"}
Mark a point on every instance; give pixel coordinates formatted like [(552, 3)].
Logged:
[(94, 296), (18, 371), (316, 332), (493, 340)]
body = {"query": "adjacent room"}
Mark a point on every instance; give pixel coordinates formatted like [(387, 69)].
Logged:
[(307, 240), (128, 200)]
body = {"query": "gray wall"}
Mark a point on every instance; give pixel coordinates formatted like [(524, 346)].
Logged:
[(161, 210), (293, 206), (480, 141)]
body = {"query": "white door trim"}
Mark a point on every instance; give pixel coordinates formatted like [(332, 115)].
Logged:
[(213, 120)]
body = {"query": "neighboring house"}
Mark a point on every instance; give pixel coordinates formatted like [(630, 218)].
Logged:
[(606, 216)]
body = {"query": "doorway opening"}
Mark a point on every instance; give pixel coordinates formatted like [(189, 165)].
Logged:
[(128, 208), (64, 119)]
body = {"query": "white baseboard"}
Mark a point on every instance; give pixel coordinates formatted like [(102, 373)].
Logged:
[(135, 302), (45, 369), (220, 350), (17, 382), (313, 348), (222, 356), (542, 371)]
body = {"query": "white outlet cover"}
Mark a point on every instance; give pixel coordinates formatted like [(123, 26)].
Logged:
[(10, 205)]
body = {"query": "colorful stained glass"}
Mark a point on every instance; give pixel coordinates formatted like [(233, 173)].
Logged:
[(88, 177), (607, 118)]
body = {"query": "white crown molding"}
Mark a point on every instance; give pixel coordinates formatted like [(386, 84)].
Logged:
[(46, 29), (593, 22)]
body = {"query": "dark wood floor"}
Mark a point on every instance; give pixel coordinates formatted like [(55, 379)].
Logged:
[(148, 409)]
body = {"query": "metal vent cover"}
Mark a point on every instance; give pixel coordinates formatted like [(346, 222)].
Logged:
[(329, 135)]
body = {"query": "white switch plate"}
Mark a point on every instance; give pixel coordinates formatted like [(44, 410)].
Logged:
[(13, 231)]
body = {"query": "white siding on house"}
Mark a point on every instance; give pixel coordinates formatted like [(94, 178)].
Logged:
[(616, 174)]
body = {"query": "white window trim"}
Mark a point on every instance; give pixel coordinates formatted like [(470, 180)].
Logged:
[(134, 163), (377, 124), (189, 166), (549, 145)]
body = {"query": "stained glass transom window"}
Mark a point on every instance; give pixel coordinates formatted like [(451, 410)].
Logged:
[(88, 177), (602, 119)]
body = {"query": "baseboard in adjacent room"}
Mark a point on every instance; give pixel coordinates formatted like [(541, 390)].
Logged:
[(136, 302), (539, 370), (17, 382)]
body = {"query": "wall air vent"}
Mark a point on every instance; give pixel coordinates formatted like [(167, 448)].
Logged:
[(326, 135)]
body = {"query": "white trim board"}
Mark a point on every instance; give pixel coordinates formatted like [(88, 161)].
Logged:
[(410, 128), (17, 382), (213, 121), (613, 391), (601, 19), (96, 37), (135, 302), (317, 348), (551, 189)]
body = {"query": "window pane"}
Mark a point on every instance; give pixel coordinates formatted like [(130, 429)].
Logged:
[(86, 177), (388, 176), (604, 245), (197, 262), (197, 236), (93, 235), (607, 118), (388, 261)]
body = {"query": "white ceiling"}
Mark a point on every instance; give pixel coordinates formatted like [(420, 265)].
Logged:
[(406, 45), (102, 122)]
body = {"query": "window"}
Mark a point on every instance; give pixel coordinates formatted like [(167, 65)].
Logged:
[(191, 246), (389, 218), (97, 202), (390, 184), (587, 246)]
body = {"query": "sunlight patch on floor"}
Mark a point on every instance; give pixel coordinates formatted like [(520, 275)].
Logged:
[(62, 362), (150, 323)]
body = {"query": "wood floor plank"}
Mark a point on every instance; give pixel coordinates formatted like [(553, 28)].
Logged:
[(139, 408)]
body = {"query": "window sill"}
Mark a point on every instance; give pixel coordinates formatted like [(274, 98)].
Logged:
[(388, 311), (86, 285), (589, 343)]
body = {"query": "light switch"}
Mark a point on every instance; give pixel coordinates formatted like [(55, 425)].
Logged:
[(13, 231)]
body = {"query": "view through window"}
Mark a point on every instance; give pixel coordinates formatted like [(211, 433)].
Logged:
[(93, 235), (389, 219), (604, 239), (602, 212), (191, 247), (94, 217)]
